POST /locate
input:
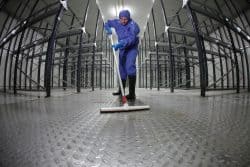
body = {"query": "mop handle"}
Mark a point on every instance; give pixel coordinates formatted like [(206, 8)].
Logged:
[(117, 66)]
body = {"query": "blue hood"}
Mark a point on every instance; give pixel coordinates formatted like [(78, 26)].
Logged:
[(124, 13)]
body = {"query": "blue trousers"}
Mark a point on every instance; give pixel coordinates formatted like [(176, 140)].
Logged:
[(127, 61)]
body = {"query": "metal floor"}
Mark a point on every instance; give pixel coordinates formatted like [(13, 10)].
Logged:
[(181, 129)]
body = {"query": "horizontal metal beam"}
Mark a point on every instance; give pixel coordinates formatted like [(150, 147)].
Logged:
[(68, 33), (23, 25), (181, 31), (83, 54), (174, 54), (162, 60), (223, 20), (72, 48), (46, 39), (194, 49)]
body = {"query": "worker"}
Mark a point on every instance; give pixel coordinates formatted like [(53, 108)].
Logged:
[(127, 31)]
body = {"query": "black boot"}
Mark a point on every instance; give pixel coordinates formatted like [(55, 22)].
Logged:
[(132, 81), (119, 92)]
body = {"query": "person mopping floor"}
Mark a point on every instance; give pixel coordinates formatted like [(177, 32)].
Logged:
[(127, 31)]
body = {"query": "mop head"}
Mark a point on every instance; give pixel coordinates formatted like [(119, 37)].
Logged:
[(124, 108), (136, 105)]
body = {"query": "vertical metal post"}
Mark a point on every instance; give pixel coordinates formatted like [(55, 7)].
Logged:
[(232, 66), (21, 67), (34, 49), (110, 64), (79, 61), (213, 60), (146, 73), (221, 68), (145, 57), (221, 37), (31, 66), (66, 56), (234, 49), (105, 66), (139, 65), (50, 51), (27, 60), (168, 33), (150, 71), (113, 71), (157, 49), (187, 64), (205, 60), (101, 59), (105, 74), (172, 63), (11, 62), (227, 72), (194, 81), (72, 81), (59, 71), (85, 68), (18, 50), (5, 66), (143, 61), (111, 67), (79, 57), (96, 75), (158, 67), (149, 47), (238, 41), (247, 65), (242, 61), (194, 20), (40, 61), (32, 59), (236, 62), (166, 71), (26, 66), (93, 56)]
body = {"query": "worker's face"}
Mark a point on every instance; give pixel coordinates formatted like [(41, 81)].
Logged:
[(123, 20)]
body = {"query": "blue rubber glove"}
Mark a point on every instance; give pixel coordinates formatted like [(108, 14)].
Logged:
[(108, 30), (118, 45)]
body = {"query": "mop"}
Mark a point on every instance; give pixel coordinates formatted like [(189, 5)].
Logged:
[(125, 107)]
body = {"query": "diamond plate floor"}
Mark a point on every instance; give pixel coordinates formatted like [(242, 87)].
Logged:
[(181, 129)]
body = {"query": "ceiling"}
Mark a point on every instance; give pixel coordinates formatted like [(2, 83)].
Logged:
[(141, 12)]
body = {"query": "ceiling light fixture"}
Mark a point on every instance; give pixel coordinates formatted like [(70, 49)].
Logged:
[(238, 29), (184, 3), (64, 4), (83, 30), (248, 37), (166, 28), (13, 32)]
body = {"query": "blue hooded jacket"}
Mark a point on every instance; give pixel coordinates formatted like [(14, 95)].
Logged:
[(126, 33)]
